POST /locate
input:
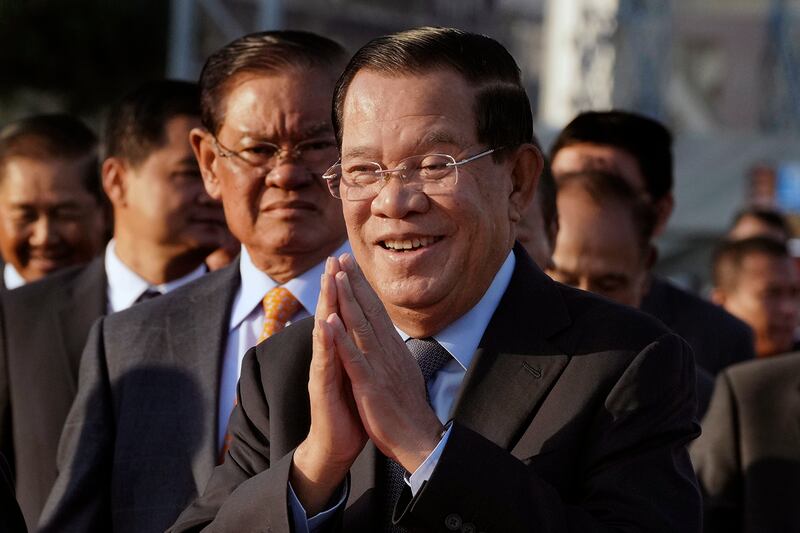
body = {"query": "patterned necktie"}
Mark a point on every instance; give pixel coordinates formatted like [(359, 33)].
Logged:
[(431, 357), (279, 306)]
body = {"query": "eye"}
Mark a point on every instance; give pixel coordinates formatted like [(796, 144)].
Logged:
[(260, 151), (361, 173)]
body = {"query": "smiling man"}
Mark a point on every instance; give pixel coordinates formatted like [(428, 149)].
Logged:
[(445, 383), (158, 382)]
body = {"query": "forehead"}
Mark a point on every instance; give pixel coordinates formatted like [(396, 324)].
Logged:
[(594, 236), (292, 103), (26, 179), (383, 112), (765, 268), (581, 157)]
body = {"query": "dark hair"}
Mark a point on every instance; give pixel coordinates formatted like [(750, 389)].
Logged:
[(52, 136), (648, 141), (265, 52), (727, 260), (607, 187), (502, 108), (136, 124), (770, 217)]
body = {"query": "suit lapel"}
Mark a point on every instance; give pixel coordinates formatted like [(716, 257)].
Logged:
[(516, 364), (197, 327), (82, 305)]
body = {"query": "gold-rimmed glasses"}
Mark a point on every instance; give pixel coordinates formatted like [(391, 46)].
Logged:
[(314, 154)]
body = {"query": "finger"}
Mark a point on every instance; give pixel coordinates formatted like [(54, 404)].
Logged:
[(355, 365), (322, 346), (368, 301), (327, 304), (356, 321)]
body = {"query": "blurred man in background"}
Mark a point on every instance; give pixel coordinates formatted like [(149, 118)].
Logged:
[(170, 367), (52, 209), (756, 280), (164, 226), (639, 150)]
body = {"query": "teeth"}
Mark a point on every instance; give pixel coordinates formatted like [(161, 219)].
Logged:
[(409, 244)]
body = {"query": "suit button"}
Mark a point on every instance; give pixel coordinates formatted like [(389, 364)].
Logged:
[(453, 522), (468, 528)]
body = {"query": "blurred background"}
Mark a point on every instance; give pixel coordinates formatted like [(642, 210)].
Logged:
[(723, 74)]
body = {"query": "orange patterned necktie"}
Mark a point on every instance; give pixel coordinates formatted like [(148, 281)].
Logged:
[(279, 306)]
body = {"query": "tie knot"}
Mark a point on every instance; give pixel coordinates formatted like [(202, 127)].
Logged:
[(149, 294), (430, 355), (279, 305)]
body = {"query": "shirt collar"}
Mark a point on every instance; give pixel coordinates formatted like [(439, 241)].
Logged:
[(461, 338), (125, 286), (11, 277), (255, 284)]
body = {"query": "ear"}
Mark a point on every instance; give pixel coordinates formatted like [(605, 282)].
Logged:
[(663, 207), (528, 164), (203, 145), (115, 173), (718, 296)]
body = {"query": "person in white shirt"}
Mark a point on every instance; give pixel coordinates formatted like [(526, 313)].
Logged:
[(164, 225), (158, 381)]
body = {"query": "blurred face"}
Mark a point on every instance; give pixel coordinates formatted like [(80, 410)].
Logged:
[(765, 296), (165, 200), (605, 158), (597, 248), (48, 220), (282, 210), (430, 257)]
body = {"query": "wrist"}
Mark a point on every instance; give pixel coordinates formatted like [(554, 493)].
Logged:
[(415, 455), (313, 478)]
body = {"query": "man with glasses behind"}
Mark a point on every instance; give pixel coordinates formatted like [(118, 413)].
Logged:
[(158, 384), (446, 383)]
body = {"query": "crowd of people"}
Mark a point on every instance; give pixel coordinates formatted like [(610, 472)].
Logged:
[(322, 292)]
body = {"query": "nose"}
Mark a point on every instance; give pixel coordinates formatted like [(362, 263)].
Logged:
[(287, 174), (395, 200), (43, 232)]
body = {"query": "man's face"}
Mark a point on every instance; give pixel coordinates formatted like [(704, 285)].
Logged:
[(48, 220), (765, 296), (460, 235), (166, 198), (581, 157), (598, 249), (286, 210)]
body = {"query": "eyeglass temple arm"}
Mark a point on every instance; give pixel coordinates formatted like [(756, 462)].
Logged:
[(473, 158)]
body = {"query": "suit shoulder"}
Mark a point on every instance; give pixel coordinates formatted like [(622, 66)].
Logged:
[(290, 345), (765, 376), (33, 293), (596, 318)]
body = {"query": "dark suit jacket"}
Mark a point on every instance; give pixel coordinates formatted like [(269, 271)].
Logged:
[(717, 338), (141, 437), (573, 416), (43, 327), (748, 458), (11, 520)]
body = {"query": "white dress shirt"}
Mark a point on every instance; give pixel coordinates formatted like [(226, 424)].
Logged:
[(12, 278), (126, 286), (247, 322), (460, 339)]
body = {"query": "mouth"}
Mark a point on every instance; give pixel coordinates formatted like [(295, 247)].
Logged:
[(293, 205), (408, 244)]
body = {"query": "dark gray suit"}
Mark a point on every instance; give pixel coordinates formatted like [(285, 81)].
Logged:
[(748, 458), (141, 437), (573, 416), (43, 327)]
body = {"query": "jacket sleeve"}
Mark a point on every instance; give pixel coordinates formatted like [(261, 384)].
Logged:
[(80, 499), (716, 459), (247, 492), (635, 473), (6, 428)]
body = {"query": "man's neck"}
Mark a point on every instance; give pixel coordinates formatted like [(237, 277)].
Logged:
[(287, 266), (154, 263)]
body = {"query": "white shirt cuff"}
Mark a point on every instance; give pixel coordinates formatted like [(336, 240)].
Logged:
[(301, 522), (425, 470)]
